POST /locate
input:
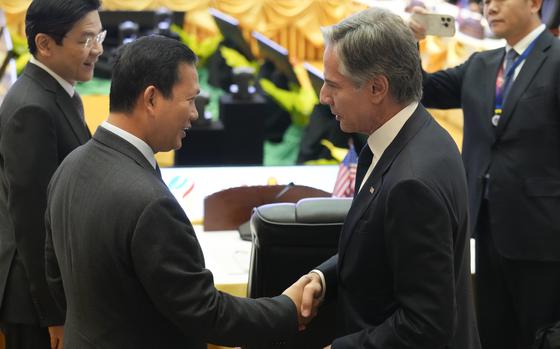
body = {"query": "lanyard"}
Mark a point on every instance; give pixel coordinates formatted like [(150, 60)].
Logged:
[(508, 77)]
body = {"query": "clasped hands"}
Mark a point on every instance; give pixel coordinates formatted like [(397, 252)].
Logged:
[(306, 295)]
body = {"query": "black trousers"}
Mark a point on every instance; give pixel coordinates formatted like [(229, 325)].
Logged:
[(24, 336), (514, 298)]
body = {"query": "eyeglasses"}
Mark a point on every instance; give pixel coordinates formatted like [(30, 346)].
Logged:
[(97, 39)]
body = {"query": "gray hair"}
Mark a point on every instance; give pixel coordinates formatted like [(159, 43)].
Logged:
[(377, 42)]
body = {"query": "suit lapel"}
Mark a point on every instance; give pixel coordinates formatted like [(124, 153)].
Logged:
[(359, 205), (532, 64), (117, 143), (72, 116), (373, 184), (63, 101)]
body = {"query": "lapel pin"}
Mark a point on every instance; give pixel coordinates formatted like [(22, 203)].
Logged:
[(495, 120), (371, 190)]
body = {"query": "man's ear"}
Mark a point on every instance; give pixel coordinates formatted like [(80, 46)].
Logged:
[(536, 6), (379, 88), (44, 44), (150, 99)]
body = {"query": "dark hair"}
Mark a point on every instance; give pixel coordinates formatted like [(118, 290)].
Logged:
[(150, 60), (55, 18)]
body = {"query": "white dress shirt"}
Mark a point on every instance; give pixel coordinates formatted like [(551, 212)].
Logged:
[(522, 45), (139, 144), (380, 139), (68, 87)]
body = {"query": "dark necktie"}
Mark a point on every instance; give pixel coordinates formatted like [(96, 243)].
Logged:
[(511, 55), (364, 161), (77, 100)]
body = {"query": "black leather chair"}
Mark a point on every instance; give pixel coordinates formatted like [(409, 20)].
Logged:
[(289, 240)]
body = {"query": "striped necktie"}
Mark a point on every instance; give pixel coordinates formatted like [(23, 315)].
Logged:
[(511, 55)]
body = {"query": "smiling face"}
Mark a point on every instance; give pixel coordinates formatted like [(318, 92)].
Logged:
[(512, 19), (352, 106), (72, 60), (174, 115)]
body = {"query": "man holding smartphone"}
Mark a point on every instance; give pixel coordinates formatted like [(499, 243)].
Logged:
[(511, 150)]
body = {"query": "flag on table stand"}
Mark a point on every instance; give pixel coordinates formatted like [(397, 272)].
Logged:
[(346, 178)]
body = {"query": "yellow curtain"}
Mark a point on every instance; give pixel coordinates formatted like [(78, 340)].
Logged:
[(14, 10), (294, 24), (14, 6), (138, 5), (133, 5)]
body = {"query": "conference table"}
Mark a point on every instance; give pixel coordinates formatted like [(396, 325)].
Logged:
[(228, 257)]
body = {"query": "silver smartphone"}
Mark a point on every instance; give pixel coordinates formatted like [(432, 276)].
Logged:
[(435, 23)]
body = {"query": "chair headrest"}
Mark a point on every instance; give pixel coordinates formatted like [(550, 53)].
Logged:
[(322, 210), (306, 211)]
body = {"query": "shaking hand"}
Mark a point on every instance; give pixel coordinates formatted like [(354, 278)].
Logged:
[(311, 299), (297, 292)]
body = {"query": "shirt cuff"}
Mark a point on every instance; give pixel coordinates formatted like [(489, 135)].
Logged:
[(323, 283)]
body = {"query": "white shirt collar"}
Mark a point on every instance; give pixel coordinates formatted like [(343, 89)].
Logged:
[(522, 45), (68, 87), (139, 144), (380, 139)]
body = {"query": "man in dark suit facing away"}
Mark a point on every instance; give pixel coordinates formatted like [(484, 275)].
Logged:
[(120, 248), (511, 150), (401, 277), (41, 121)]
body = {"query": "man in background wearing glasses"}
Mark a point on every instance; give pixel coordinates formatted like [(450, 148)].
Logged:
[(41, 121)]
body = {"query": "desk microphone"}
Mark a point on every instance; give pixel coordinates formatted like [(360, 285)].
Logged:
[(284, 190), (245, 228)]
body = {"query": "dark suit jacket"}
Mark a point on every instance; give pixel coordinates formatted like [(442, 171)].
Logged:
[(131, 266), (522, 154), (402, 273), (39, 126)]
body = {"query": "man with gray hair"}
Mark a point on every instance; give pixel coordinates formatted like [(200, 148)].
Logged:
[(401, 277)]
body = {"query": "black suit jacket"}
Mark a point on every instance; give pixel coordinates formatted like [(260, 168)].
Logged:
[(522, 154), (39, 126), (402, 273), (130, 263)]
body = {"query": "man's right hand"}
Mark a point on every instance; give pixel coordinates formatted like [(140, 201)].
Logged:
[(418, 29)]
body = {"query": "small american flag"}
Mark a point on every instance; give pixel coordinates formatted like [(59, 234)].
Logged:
[(346, 178)]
